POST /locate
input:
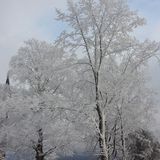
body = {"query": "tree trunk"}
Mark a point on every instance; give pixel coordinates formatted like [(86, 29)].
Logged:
[(102, 123), (39, 146), (122, 141), (102, 135), (114, 152)]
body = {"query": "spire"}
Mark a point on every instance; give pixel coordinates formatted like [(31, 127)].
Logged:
[(7, 80), (7, 90)]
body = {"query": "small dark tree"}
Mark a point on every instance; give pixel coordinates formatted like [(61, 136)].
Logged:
[(141, 145), (156, 151), (39, 146), (7, 80)]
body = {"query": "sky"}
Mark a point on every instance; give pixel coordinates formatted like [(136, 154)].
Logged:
[(21, 20)]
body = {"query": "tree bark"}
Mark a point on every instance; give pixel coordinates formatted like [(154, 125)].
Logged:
[(114, 152), (122, 141), (102, 124), (102, 135), (39, 146)]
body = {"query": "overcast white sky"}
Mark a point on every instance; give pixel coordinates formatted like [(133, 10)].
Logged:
[(21, 20)]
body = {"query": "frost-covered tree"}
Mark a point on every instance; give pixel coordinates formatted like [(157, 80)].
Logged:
[(142, 145), (40, 66), (101, 31), (60, 102), (41, 69)]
